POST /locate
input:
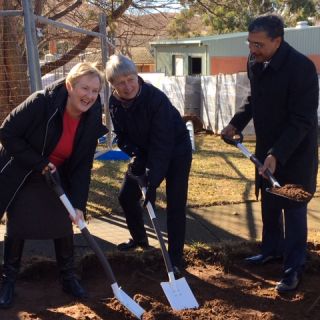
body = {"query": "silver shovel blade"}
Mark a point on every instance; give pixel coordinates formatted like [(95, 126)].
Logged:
[(128, 302), (179, 294), (269, 190)]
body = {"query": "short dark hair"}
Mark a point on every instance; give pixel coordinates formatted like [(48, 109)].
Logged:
[(272, 24)]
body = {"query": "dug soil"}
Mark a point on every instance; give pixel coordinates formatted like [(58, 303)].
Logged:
[(224, 285)]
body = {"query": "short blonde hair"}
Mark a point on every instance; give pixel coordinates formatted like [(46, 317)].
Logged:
[(119, 65), (83, 69)]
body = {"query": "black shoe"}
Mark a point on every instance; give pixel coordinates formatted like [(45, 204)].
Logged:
[(131, 244), (6, 294), (289, 282), (261, 259), (73, 287)]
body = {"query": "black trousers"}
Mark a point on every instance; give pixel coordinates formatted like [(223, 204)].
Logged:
[(176, 191), (284, 230)]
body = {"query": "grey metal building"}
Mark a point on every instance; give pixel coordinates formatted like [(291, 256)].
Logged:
[(225, 53)]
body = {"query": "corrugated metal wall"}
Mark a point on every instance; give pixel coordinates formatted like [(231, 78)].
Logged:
[(305, 40), (228, 45)]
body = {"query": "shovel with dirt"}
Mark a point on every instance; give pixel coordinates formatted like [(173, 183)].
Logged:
[(120, 295), (177, 291), (290, 191)]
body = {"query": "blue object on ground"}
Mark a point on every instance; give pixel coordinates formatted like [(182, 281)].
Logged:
[(102, 139), (111, 155)]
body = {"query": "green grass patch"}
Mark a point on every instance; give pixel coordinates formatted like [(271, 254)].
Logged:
[(220, 174)]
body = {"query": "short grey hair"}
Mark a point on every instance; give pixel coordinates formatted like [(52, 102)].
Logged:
[(119, 65)]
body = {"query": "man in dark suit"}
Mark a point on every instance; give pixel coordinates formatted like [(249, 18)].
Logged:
[(283, 105)]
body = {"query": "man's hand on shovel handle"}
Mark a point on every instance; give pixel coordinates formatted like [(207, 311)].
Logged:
[(270, 163), (229, 131)]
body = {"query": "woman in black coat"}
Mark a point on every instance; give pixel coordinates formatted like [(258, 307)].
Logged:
[(150, 130), (55, 129)]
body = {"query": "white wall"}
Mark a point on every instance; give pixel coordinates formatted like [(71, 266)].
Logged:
[(222, 96), (214, 99)]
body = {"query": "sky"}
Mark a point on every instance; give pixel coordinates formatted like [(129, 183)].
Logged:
[(163, 6)]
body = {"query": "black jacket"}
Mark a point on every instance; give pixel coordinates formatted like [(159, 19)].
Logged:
[(283, 105), (30, 133), (151, 127)]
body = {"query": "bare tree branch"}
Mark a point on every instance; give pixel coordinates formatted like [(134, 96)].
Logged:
[(69, 9), (83, 43)]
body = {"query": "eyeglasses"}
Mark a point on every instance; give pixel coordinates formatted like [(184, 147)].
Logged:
[(256, 45), (128, 81)]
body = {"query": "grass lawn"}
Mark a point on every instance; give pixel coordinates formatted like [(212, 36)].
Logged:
[(220, 174)]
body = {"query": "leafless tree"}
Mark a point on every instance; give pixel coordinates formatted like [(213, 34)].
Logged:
[(122, 22)]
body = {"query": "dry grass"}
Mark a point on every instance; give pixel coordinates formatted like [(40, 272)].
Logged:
[(220, 174)]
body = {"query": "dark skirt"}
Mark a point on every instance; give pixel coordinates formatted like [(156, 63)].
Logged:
[(37, 212)]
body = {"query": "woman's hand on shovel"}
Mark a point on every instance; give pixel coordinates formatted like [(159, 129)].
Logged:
[(270, 163), (49, 167), (79, 216)]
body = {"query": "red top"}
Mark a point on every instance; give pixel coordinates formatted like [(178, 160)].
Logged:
[(64, 147)]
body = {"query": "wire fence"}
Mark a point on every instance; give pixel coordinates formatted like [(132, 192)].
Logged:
[(57, 46), (14, 81), (36, 51)]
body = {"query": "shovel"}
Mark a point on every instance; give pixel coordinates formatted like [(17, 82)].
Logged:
[(123, 298), (177, 291), (299, 196)]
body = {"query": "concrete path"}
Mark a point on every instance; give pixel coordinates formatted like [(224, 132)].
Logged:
[(208, 225)]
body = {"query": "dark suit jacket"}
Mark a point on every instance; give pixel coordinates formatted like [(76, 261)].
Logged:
[(152, 128), (283, 104)]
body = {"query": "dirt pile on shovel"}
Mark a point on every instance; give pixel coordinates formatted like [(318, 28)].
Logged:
[(292, 191)]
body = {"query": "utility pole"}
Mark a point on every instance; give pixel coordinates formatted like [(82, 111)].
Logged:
[(32, 46), (106, 91)]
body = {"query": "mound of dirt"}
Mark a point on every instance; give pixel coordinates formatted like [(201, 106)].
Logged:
[(224, 286)]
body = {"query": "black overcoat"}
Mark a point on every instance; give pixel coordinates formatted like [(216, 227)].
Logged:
[(283, 104), (30, 133)]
